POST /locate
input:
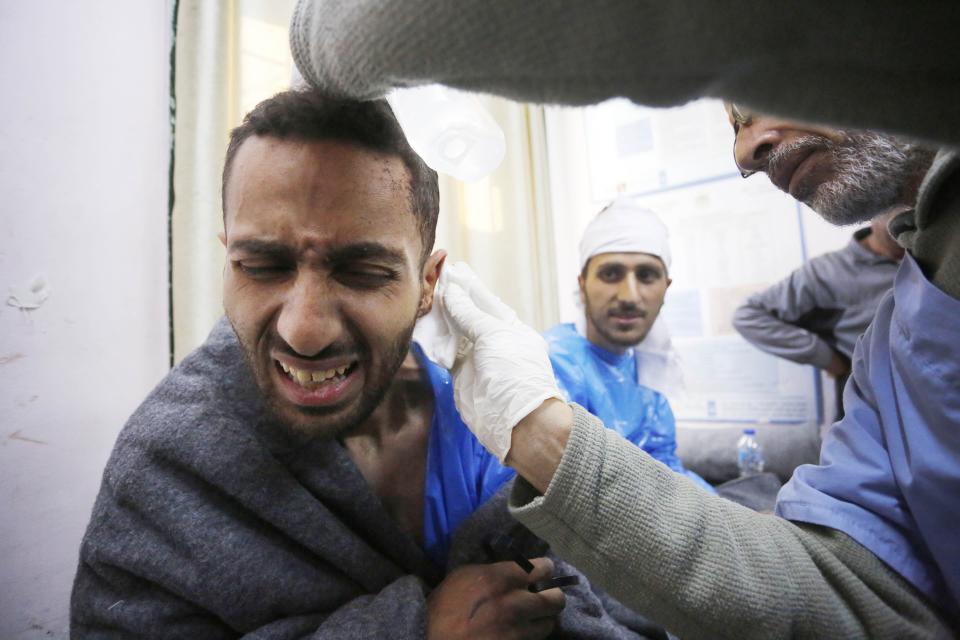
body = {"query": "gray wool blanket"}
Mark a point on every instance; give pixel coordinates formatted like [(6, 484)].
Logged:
[(212, 522)]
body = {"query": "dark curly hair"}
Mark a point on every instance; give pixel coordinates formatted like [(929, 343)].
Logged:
[(311, 115)]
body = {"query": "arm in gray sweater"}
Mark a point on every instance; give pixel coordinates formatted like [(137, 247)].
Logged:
[(864, 65), (705, 567), (853, 64)]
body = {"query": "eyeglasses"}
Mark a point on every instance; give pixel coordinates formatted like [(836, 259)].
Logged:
[(740, 119)]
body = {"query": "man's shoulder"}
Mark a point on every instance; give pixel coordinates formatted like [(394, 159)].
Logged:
[(821, 276), (822, 266), (204, 403), (653, 398), (570, 357), (564, 341)]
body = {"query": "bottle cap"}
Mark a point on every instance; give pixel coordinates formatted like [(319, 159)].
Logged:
[(750, 432)]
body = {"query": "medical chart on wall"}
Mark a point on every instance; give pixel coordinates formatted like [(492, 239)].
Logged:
[(730, 237)]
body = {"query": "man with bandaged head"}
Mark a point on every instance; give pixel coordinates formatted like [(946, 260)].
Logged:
[(616, 360)]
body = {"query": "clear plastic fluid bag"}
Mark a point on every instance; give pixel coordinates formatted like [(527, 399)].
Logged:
[(450, 130)]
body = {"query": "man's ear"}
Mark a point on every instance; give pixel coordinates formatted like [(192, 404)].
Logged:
[(583, 290), (663, 300), (223, 238), (431, 273)]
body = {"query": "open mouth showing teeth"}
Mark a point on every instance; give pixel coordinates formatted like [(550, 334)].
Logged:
[(314, 379)]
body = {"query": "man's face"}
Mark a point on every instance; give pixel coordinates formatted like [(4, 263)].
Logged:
[(845, 176), (323, 281), (622, 296)]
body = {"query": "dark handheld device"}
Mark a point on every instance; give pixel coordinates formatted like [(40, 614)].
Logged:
[(503, 547)]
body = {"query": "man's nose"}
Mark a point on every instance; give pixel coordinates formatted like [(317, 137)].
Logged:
[(755, 142), (310, 321), (629, 290)]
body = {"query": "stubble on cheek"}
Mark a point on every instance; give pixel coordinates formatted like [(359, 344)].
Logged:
[(379, 372), (867, 176)]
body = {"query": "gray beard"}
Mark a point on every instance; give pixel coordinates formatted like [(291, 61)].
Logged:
[(871, 173)]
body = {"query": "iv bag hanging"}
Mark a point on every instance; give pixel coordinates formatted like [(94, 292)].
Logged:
[(450, 130)]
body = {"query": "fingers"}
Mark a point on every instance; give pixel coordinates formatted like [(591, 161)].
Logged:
[(551, 602), (462, 275), (542, 569), (486, 300), (492, 601), (522, 607), (537, 629), (466, 317), (552, 599), (521, 613), (511, 576)]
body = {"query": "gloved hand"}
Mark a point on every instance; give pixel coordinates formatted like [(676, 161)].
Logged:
[(506, 374)]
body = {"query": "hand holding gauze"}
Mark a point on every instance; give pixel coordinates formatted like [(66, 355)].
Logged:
[(507, 374)]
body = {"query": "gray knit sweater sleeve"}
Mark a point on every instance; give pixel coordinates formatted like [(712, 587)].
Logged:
[(847, 63), (705, 567)]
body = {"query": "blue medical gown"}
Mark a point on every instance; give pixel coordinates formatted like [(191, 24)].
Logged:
[(461, 475), (605, 384), (889, 472)]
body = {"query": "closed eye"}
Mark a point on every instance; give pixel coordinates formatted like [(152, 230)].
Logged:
[(261, 271), (366, 276)]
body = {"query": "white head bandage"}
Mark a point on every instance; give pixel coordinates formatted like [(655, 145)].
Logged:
[(627, 227)]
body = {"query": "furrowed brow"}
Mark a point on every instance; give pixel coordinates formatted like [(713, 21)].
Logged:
[(266, 248), (366, 251)]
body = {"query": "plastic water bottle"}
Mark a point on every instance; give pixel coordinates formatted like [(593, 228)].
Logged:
[(749, 454), (450, 130)]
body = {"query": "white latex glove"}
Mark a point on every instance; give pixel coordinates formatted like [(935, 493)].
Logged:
[(506, 374), (434, 332)]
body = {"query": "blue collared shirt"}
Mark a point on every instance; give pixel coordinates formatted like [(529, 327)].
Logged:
[(889, 472)]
